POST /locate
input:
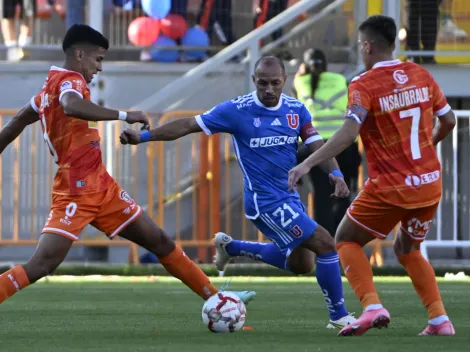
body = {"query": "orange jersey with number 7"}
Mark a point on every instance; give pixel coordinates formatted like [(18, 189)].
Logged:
[(74, 144), (396, 103)]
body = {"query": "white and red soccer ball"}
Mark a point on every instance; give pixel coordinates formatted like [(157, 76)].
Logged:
[(224, 312)]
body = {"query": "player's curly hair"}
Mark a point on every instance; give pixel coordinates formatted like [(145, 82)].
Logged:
[(381, 28), (84, 34)]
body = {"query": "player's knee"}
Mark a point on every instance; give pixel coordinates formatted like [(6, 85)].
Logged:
[(321, 242), (301, 261), (403, 245)]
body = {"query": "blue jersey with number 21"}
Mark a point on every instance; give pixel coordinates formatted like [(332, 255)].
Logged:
[(265, 142)]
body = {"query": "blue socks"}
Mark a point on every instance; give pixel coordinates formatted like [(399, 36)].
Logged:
[(265, 252), (327, 271), (329, 279)]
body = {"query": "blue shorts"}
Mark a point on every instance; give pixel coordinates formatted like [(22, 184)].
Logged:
[(287, 226)]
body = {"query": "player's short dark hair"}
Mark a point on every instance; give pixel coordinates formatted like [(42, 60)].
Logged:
[(270, 60), (381, 29), (83, 34)]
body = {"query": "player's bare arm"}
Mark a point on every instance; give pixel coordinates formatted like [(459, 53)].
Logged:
[(75, 106), (168, 132), (335, 145), (26, 116), (444, 125), (329, 167)]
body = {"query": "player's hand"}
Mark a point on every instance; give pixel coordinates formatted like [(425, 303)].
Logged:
[(302, 71), (341, 188), (138, 117), (130, 136), (296, 174)]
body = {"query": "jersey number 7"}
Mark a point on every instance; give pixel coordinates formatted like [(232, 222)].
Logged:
[(415, 114)]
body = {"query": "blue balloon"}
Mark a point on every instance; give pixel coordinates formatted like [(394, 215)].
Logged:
[(195, 37), (156, 8), (164, 55)]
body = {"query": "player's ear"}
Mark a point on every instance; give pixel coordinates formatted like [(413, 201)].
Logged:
[(254, 79), (79, 54)]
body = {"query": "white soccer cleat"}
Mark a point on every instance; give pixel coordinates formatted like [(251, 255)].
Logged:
[(341, 322), (221, 256)]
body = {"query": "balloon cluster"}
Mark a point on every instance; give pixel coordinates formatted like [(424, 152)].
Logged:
[(162, 29)]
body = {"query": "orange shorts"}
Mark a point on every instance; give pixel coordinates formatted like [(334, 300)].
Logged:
[(109, 211), (379, 218)]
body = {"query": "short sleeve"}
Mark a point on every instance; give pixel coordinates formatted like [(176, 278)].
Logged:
[(218, 119), (72, 83), (308, 132), (439, 102), (359, 103), (36, 102)]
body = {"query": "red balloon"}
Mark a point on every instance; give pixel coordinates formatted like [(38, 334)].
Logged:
[(60, 7), (143, 31), (174, 26), (43, 9)]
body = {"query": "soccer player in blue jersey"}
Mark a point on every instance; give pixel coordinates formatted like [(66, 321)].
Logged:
[(265, 126)]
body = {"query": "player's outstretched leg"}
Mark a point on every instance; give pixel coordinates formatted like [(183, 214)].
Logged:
[(424, 281), (147, 234), (226, 248), (50, 252), (349, 241), (298, 261)]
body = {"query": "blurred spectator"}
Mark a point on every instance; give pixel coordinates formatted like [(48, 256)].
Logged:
[(448, 29), (422, 28), (13, 42), (218, 17), (268, 9), (325, 96)]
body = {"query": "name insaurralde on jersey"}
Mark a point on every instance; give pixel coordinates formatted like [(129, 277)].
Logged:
[(265, 141)]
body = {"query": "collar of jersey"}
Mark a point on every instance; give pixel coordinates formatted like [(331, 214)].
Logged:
[(257, 102), (57, 68), (387, 63)]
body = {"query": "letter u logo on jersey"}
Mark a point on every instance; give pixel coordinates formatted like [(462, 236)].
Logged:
[(293, 120)]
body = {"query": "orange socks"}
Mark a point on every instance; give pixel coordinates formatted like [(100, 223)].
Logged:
[(183, 268), (12, 281), (358, 272), (424, 281)]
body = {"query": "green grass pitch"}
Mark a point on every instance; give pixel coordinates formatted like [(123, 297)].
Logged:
[(288, 315)]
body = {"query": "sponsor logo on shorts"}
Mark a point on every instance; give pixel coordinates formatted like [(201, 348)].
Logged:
[(417, 228), (125, 197), (65, 221)]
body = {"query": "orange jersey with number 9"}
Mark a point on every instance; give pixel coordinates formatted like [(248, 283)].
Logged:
[(73, 143), (396, 103)]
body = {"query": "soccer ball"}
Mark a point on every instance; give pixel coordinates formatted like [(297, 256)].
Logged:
[(224, 312)]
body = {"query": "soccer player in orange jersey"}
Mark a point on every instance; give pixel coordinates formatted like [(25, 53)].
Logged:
[(83, 192), (392, 106)]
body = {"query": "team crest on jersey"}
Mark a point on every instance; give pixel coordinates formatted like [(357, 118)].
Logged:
[(66, 85), (257, 121), (293, 120), (400, 76)]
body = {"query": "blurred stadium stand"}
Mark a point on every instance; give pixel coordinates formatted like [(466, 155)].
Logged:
[(193, 187)]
